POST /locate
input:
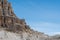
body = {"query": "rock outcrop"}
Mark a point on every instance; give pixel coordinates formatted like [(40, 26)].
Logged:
[(9, 20), (13, 28)]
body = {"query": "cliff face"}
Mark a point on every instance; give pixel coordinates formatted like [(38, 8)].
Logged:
[(13, 28), (9, 20)]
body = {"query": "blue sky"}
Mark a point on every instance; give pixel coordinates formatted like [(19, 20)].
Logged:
[(41, 15)]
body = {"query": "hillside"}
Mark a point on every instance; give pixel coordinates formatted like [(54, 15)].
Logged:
[(13, 28)]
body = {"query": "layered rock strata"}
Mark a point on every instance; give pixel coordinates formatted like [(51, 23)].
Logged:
[(8, 19)]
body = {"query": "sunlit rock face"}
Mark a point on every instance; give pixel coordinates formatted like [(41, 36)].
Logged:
[(13, 28), (5, 35), (9, 20)]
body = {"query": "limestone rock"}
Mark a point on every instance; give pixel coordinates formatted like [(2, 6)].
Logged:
[(8, 19)]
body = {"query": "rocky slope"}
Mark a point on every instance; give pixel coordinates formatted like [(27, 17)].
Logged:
[(6, 35), (33, 35)]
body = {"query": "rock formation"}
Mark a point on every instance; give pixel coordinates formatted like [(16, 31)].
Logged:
[(18, 27), (8, 19)]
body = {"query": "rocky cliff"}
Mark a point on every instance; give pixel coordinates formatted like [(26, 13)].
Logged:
[(9, 20), (13, 28)]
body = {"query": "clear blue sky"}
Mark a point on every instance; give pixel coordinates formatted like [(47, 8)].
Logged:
[(41, 15)]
